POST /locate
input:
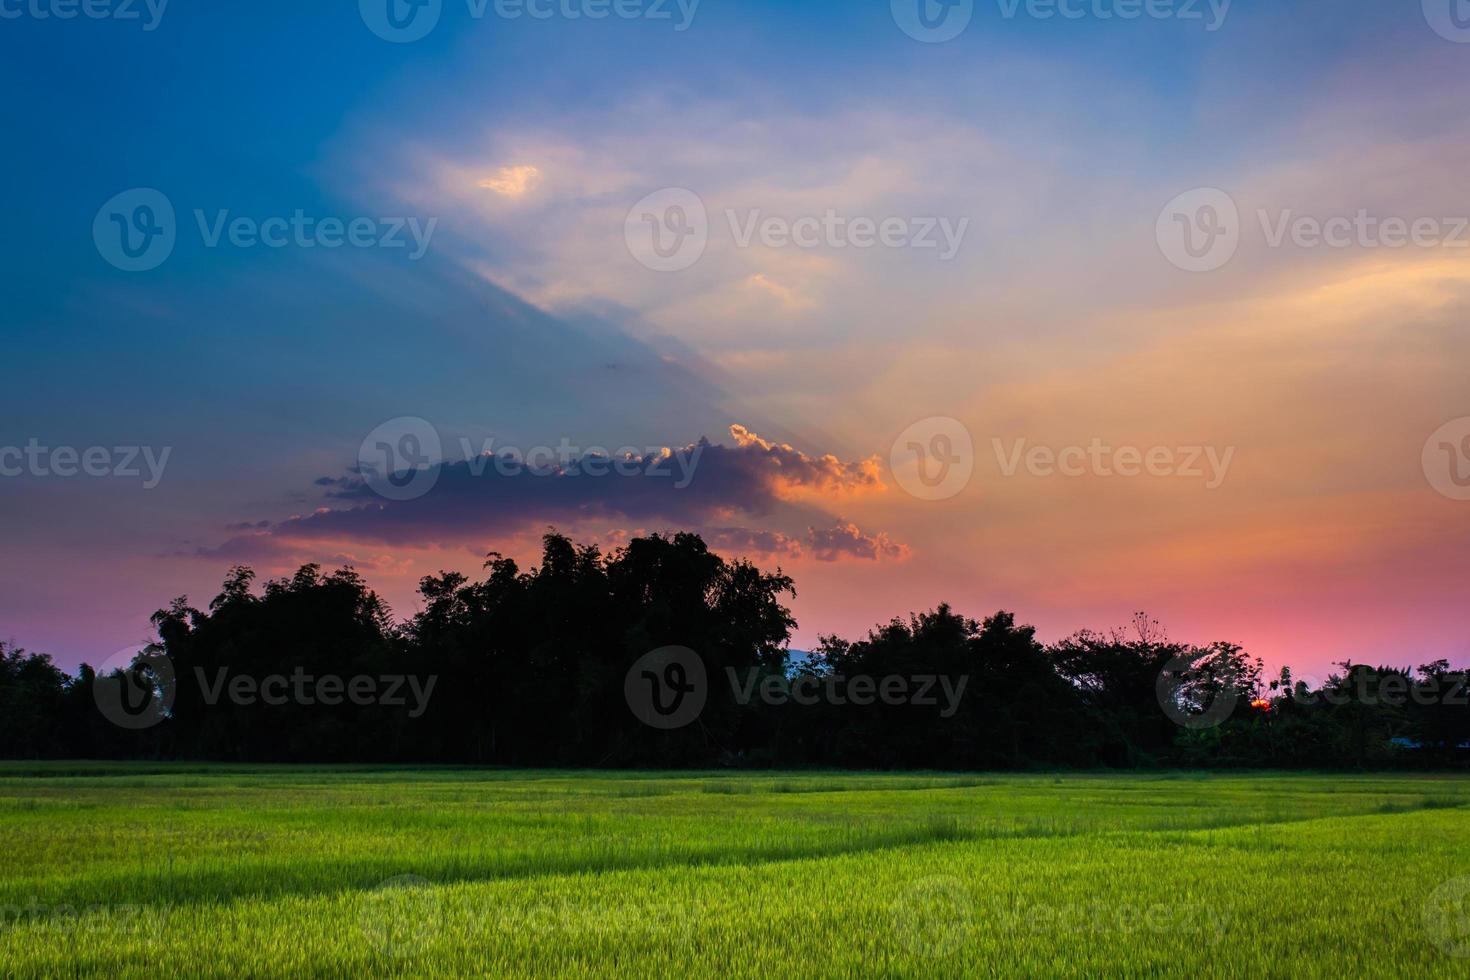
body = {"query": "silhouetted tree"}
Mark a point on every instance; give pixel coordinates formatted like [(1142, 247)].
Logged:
[(529, 667)]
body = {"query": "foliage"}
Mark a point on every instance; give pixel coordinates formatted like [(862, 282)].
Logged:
[(164, 870), (528, 668)]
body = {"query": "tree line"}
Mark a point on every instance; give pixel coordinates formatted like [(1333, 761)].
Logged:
[(664, 654)]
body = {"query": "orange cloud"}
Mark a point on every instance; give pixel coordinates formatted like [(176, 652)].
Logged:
[(513, 182), (794, 474), (848, 541)]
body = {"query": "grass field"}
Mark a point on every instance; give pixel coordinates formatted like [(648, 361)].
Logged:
[(159, 870)]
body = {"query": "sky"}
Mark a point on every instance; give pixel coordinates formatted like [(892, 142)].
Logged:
[(1074, 308)]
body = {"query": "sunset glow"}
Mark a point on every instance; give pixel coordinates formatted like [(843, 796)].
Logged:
[(913, 311)]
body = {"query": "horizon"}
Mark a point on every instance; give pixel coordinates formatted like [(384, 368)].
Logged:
[(798, 656), (1068, 316)]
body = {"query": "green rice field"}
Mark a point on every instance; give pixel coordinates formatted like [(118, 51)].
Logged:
[(173, 870)]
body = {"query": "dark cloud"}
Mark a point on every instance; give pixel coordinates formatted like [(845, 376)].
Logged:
[(845, 540), (248, 526), (692, 485), (751, 541), (700, 486)]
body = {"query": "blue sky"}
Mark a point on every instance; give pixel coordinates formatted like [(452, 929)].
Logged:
[(1057, 140)]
